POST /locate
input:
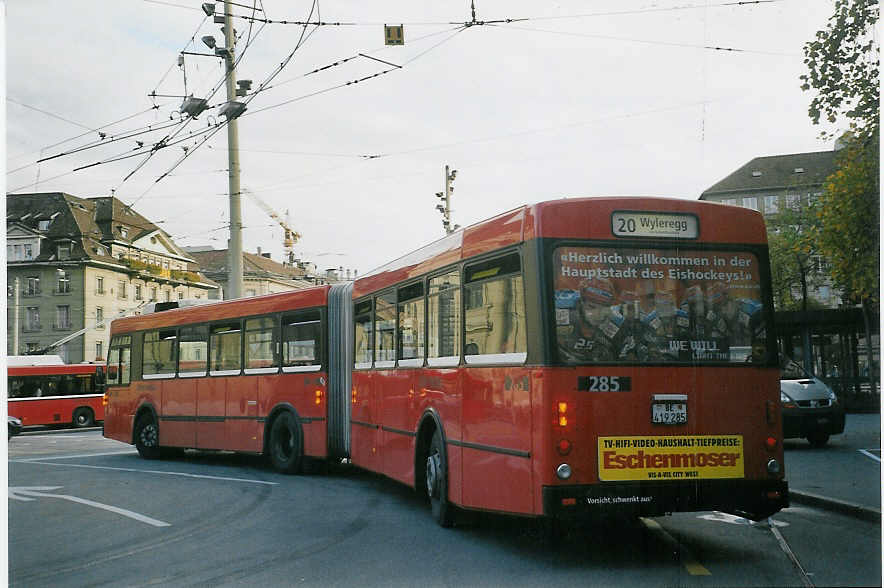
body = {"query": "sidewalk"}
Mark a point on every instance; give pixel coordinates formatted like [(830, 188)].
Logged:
[(844, 476)]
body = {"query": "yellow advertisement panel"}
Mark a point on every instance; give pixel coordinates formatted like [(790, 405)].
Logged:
[(688, 457)]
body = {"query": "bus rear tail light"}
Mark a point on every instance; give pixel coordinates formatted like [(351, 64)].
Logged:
[(353, 396), (104, 399), (562, 414), (564, 447), (318, 397), (770, 443)]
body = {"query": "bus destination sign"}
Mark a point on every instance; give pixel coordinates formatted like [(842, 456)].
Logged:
[(655, 224)]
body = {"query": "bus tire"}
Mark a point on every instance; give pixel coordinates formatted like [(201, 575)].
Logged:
[(83, 417), (437, 482), (286, 443), (147, 437)]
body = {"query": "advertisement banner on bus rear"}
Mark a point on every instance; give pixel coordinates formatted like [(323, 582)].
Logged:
[(658, 305), (688, 457)]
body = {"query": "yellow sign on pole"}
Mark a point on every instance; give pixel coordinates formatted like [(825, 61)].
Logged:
[(394, 35)]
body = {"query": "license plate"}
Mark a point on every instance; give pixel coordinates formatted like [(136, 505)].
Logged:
[(669, 413)]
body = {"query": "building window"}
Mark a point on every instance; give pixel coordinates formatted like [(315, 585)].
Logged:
[(64, 282), (180, 295), (121, 290), (99, 350), (16, 252), (32, 318), (124, 232), (771, 204), (99, 317), (32, 348), (64, 250), (32, 287), (153, 294), (729, 201), (167, 295), (137, 291), (250, 292), (99, 285), (28, 250), (43, 225), (62, 317), (751, 203), (793, 201)]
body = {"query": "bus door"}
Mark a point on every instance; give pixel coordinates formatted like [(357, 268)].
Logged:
[(241, 413), (225, 367)]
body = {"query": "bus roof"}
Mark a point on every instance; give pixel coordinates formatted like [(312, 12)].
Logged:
[(567, 218), (54, 370), (227, 309), (21, 360)]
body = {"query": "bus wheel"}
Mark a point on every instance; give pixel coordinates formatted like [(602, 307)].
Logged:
[(285, 443), (83, 417), (147, 437), (818, 438), (437, 482)]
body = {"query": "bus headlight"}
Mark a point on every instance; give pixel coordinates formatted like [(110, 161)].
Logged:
[(563, 471)]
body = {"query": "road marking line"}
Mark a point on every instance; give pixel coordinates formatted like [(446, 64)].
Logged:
[(693, 567), (23, 493), (869, 454), (805, 578), (45, 457), (183, 474)]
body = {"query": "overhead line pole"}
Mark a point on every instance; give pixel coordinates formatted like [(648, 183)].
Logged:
[(234, 247)]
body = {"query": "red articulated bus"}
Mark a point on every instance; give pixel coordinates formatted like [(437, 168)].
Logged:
[(588, 357), (244, 375), (43, 390)]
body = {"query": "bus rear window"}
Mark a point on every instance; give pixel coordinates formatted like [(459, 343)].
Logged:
[(619, 304)]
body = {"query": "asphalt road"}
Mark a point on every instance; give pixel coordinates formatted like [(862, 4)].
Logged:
[(86, 511)]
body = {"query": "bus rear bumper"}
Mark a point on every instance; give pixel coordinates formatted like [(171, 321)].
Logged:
[(752, 499)]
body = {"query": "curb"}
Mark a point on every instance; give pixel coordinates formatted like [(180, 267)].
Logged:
[(852, 509)]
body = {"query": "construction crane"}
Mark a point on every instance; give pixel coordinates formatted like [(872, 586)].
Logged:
[(290, 236)]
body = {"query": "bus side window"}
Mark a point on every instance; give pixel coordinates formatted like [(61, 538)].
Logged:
[(113, 366), (411, 325), (364, 339), (301, 340), (495, 311), (193, 350), (443, 320), (385, 330), (119, 359), (261, 343), (225, 348), (158, 357)]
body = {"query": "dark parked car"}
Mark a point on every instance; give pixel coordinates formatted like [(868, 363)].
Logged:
[(14, 425), (810, 407)]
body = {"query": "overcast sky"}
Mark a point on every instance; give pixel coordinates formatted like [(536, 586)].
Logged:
[(584, 98)]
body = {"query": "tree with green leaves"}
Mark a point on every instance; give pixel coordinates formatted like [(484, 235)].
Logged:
[(843, 69), (793, 256)]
